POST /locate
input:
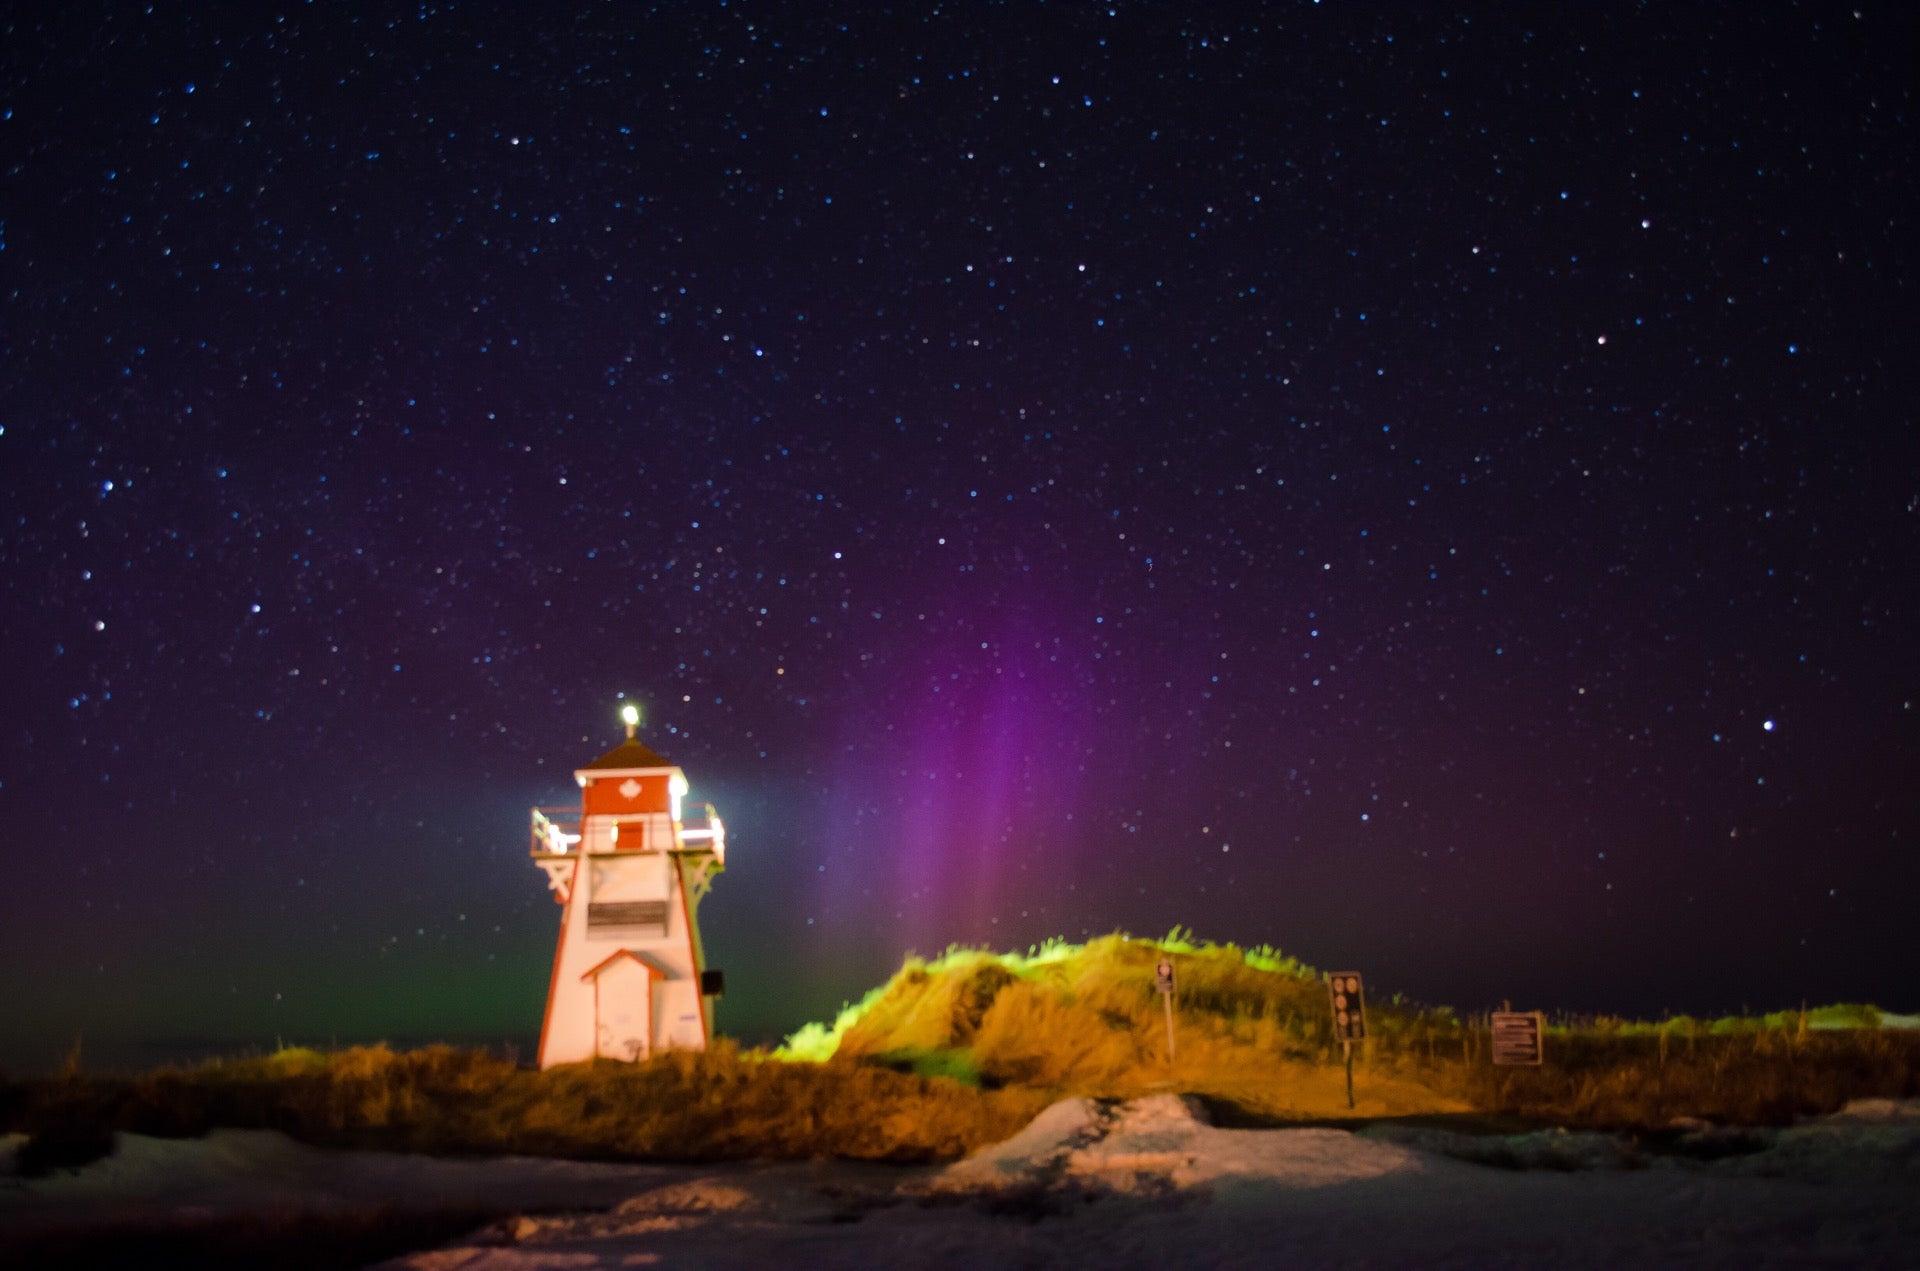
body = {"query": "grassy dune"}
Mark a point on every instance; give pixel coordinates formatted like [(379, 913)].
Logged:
[(1252, 1028), (1254, 1036), (961, 1050)]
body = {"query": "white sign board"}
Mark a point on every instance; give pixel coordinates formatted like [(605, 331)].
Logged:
[(1519, 1038)]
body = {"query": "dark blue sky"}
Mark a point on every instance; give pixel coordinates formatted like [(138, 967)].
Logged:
[(1432, 490)]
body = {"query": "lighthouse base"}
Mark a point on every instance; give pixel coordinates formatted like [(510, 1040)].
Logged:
[(627, 978)]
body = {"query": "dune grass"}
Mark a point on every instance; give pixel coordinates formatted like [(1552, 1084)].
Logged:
[(960, 1050), (1253, 1034), (1755, 1072), (1251, 1027), (720, 1104), (1092, 1006)]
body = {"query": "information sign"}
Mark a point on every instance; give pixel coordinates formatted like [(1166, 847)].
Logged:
[(1519, 1038), (1349, 1006)]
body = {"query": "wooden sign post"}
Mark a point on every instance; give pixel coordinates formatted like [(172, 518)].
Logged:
[(1163, 980), (1519, 1038), (1349, 1001)]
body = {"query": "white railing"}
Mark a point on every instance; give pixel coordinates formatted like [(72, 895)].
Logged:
[(556, 831)]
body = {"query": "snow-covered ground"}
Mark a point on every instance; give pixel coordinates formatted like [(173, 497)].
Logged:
[(1144, 1184), (232, 1173)]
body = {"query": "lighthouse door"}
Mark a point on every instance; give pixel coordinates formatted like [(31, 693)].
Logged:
[(623, 1010)]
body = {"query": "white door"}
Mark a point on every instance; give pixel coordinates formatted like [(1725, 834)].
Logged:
[(624, 1011)]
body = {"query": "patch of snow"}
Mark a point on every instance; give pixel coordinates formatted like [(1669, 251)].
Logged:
[(1168, 1137), (704, 1196), (1164, 1140), (1143, 1184), (1877, 1110), (1152, 1184), (1032, 1151), (1868, 1141)]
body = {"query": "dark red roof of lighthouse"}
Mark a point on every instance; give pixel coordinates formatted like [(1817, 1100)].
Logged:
[(631, 753)]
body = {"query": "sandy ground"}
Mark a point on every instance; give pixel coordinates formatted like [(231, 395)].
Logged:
[(1143, 1184)]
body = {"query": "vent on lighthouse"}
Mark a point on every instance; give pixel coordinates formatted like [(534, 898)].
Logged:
[(627, 914)]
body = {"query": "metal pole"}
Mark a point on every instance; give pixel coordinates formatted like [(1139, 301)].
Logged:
[(1348, 1047), (1167, 999)]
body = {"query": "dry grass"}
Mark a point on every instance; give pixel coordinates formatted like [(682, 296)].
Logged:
[(1251, 1028), (961, 1050), (1646, 1078), (1253, 1035), (720, 1104)]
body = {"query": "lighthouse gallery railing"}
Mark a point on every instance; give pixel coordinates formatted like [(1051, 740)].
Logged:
[(555, 831)]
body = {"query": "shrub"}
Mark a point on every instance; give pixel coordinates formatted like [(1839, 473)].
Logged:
[(720, 1104)]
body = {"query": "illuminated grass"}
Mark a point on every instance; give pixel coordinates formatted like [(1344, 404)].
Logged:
[(1253, 1035), (1252, 1026), (1837, 1017), (959, 1050), (1068, 963)]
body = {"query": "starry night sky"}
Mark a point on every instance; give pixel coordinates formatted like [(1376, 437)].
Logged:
[(1435, 491)]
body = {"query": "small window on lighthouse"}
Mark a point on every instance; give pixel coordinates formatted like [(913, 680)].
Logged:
[(678, 789)]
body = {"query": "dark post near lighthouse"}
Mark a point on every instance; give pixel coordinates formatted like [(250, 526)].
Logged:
[(1163, 981), (1348, 998)]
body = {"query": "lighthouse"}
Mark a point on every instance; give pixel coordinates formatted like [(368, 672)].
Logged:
[(628, 868)]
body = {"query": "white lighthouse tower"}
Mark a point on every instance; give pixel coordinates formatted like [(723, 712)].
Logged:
[(629, 872)]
